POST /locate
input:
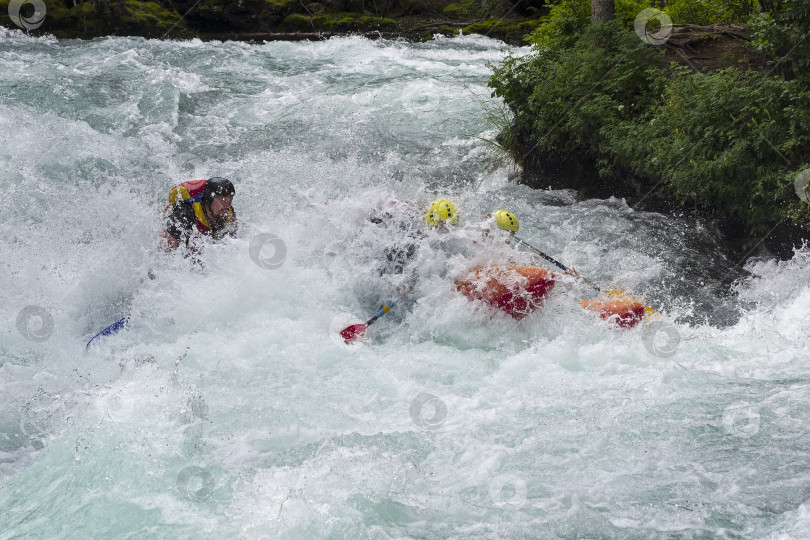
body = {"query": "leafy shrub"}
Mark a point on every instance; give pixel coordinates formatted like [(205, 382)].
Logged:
[(782, 32), (568, 17), (562, 96), (732, 140)]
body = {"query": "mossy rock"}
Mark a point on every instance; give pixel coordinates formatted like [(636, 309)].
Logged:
[(149, 19), (378, 23), (448, 31), (298, 22), (464, 9), (454, 11), (510, 31), (340, 22)]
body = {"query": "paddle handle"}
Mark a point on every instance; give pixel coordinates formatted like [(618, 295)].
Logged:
[(385, 309), (558, 263)]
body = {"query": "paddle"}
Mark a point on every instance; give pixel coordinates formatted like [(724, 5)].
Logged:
[(555, 261), (356, 331), (117, 325), (615, 294), (112, 329)]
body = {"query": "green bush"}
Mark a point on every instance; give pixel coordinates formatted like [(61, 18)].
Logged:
[(732, 140), (503, 29), (782, 32), (569, 17), (563, 95)]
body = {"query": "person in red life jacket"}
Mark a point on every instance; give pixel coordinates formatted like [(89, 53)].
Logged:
[(201, 205)]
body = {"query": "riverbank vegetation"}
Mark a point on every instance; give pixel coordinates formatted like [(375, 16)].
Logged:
[(509, 20), (713, 119)]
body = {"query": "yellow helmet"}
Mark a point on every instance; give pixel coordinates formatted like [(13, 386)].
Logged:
[(506, 220), (442, 210)]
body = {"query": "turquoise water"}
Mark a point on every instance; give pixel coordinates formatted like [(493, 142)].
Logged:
[(230, 409)]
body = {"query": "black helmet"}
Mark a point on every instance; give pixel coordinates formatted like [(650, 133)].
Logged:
[(218, 187)]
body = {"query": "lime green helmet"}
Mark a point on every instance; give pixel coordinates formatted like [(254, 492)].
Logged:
[(442, 210), (506, 220)]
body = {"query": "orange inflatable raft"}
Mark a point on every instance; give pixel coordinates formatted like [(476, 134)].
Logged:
[(618, 307), (516, 290)]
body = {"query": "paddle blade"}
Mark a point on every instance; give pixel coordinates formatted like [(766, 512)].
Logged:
[(112, 329), (352, 333)]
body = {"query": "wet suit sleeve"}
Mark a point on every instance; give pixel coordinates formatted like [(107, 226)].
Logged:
[(234, 226), (180, 221)]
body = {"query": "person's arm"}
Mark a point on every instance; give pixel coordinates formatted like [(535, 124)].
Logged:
[(179, 224), (572, 271), (171, 242)]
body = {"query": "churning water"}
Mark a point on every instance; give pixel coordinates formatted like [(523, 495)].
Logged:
[(228, 408)]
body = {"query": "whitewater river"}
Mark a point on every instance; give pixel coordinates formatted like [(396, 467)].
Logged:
[(229, 408)]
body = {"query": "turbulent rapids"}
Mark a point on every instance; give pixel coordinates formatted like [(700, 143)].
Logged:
[(229, 405)]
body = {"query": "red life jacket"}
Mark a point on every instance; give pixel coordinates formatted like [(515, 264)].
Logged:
[(192, 192)]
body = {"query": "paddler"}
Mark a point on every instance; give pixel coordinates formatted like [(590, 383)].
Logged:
[(397, 221), (199, 208), (505, 220), (440, 214), (508, 222), (443, 217)]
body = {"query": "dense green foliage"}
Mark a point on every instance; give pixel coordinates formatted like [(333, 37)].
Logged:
[(732, 140), (509, 20), (782, 31), (568, 17), (89, 18)]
